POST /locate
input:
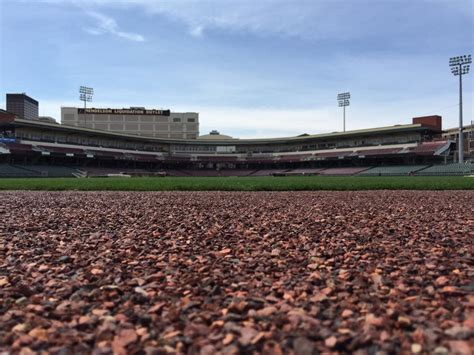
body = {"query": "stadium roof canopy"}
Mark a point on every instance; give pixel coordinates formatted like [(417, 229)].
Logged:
[(8, 119), (216, 137)]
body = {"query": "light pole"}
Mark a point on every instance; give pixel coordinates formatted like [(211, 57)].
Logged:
[(85, 94), (460, 66), (343, 100)]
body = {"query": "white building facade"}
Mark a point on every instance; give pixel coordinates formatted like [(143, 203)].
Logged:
[(135, 120)]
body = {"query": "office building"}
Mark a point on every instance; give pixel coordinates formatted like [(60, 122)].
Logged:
[(135, 121), (23, 106)]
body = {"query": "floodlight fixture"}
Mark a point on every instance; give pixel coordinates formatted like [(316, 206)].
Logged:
[(86, 90), (460, 60), (460, 66), (344, 95), (343, 101), (85, 95)]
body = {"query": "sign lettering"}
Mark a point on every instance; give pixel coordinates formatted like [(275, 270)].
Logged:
[(122, 111)]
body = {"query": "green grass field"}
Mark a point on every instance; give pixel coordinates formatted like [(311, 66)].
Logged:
[(299, 183)]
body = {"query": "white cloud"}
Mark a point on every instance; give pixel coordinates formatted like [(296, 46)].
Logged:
[(106, 24), (317, 19), (263, 17), (197, 31)]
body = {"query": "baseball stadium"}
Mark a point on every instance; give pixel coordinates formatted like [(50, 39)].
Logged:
[(76, 148), (209, 200)]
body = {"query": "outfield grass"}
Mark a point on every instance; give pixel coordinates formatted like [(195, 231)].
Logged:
[(296, 183)]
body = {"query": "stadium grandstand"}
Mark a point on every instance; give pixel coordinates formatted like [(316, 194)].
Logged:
[(41, 148)]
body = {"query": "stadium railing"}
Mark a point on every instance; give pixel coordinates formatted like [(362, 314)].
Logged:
[(50, 170), (268, 172), (343, 171), (399, 170), (7, 170), (448, 169), (305, 171)]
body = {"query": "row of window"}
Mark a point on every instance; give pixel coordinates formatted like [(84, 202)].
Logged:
[(456, 135), (299, 147), (103, 118), (178, 120), (105, 143), (193, 148)]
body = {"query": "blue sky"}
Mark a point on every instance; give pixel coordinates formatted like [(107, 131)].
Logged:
[(251, 68)]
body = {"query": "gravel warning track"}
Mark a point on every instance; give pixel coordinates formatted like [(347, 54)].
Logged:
[(235, 272)]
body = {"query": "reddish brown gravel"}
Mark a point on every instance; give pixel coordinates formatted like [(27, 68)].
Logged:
[(207, 272)]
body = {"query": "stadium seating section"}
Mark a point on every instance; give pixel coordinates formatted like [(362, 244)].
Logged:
[(427, 148), (58, 150), (149, 163)]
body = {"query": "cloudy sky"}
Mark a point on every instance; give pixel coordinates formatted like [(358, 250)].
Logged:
[(251, 68)]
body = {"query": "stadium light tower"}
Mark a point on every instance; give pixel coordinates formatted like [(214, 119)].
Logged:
[(85, 94), (460, 66), (343, 100)]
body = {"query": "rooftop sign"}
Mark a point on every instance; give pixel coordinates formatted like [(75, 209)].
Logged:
[(123, 111)]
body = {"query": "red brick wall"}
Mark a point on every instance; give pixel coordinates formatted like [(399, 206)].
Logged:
[(431, 121), (6, 117)]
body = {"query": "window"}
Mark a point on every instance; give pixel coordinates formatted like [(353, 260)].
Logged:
[(191, 120), (176, 120)]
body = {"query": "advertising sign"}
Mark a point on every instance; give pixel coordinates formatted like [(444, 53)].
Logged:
[(122, 111)]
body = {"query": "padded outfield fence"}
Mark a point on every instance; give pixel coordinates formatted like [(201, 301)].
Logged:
[(16, 170), (251, 183)]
